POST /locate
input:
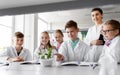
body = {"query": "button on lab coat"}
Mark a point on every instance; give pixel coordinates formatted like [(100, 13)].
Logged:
[(78, 54), (11, 52)]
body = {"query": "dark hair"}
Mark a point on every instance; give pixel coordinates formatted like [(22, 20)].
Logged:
[(19, 35), (48, 45), (59, 31), (114, 24), (97, 9), (70, 24)]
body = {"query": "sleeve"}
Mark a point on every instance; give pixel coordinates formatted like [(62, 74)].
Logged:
[(29, 56), (94, 53), (35, 54), (117, 51), (63, 51), (4, 55), (87, 38), (87, 53)]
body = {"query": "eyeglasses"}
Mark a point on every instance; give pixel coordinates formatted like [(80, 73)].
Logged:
[(106, 31)]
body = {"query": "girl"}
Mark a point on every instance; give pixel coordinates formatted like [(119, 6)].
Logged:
[(59, 38), (111, 49), (44, 44)]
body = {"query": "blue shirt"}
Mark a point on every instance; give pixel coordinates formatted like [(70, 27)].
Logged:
[(74, 43)]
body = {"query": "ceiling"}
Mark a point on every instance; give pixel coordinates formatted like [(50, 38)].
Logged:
[(81, 16), (4, 4), (58, 12)]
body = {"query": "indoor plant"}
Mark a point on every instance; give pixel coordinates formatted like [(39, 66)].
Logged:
[(45, 56)]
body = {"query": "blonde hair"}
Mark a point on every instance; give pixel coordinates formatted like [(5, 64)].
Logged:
[(114, 24), (48, 44)]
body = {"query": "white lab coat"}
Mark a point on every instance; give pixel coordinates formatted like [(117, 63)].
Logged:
[(113, 50), (93, 34), (78, 54), (11, 52), (110, 57)]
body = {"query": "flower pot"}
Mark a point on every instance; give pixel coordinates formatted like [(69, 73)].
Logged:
[(46, 62)]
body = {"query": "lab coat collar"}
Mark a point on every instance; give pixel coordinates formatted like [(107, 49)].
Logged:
[(74, 40), (115, 39), (15, 51)]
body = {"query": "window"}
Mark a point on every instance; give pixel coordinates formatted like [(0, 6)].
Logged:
[(42, 26), (19, 23), (5, 31)]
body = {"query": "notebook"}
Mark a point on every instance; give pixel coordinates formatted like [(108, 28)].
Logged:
[(74, 63)]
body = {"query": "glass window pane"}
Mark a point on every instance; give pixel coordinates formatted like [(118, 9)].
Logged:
[(6, 20), (41, 27), (5, 31), (19, 23)]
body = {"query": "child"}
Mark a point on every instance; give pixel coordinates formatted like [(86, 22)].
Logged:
[(73, 49), (59, 38), (111, 49), (44, 44), (16, 52)]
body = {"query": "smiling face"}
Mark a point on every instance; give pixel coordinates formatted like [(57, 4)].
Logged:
[(72, 29), (44, 38), (18, 42), (72, 33), (96, 17), (58, 37)]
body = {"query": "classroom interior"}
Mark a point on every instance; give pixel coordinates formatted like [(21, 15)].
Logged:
[(33, 17)]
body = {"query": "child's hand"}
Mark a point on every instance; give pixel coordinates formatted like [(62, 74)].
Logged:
[(19, 59), (16, 59), (96, 42), (59, 57)]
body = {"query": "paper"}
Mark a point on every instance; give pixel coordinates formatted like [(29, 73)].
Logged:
[(29, 62), (88, 63), (72, 63)]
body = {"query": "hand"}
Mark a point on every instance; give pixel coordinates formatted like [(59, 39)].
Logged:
[(16, 59), (96, 42), (59, 57)]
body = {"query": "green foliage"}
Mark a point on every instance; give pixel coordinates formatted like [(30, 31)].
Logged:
[(46, 54)]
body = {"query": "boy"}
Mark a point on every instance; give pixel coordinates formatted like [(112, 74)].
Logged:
[(73, 49), (16, 53)]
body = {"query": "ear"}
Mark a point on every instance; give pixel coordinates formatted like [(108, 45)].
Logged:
[(102, 16), (78, 29), (117, 31)]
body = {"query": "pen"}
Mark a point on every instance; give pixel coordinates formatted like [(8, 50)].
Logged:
[(93, 66)]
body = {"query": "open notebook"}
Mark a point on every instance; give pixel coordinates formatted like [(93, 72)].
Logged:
[(29, 62), (74, 63)]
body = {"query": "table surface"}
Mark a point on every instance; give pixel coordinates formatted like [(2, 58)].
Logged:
[(37, 69)]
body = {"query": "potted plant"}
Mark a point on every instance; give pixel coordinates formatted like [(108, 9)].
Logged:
[(45, 56)]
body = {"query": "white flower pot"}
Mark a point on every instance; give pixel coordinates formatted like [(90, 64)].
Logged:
[(46, 62)]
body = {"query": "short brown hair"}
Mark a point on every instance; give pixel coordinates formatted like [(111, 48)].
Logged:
[(97, 9), (70, 24), (19, 35)]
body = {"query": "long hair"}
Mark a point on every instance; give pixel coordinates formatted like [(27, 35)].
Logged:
[(48, 44)]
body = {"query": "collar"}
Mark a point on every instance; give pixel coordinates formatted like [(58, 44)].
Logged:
[(74, 41)]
